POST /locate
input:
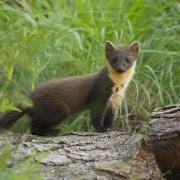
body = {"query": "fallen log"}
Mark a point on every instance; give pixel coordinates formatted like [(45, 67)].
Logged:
[(112, 155), (164, 139)]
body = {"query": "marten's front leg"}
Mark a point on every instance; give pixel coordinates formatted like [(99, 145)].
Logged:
[(103, 118), (97, 117), (109, 118)]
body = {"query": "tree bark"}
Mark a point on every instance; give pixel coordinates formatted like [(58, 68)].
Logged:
[(112, 155), (164, 140)]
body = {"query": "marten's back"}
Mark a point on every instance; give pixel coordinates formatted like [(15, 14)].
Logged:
[(72, 91)]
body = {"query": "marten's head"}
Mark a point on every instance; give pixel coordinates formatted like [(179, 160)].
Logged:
[(121, 57)]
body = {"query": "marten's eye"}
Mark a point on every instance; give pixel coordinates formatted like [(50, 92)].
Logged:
[(115, 59), (127, 60)]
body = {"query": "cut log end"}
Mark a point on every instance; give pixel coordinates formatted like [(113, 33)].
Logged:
[(164, 139)]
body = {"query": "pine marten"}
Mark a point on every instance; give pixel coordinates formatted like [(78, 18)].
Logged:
[(101, 92)]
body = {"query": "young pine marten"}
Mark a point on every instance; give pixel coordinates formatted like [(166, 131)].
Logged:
[(101, 92)]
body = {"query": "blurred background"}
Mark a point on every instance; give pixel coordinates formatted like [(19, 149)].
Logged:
[(41, 40)]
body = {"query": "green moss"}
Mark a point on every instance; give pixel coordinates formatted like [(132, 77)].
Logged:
[(17, 170)]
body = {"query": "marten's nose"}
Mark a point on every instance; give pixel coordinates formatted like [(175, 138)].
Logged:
[(120, 69)]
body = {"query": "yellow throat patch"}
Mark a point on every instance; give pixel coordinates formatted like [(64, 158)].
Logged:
[(121, 81)]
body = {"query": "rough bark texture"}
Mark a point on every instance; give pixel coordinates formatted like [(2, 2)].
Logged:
[(112, 155), (164, 139)]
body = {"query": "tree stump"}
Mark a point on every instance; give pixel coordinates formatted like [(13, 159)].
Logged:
[(164, 140)]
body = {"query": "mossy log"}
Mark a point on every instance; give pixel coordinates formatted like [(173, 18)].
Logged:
[(112, 155)]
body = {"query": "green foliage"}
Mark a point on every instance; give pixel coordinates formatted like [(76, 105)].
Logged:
[(41, 40), (20, 170)]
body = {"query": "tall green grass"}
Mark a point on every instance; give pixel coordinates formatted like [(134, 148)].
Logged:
[(41, 40)]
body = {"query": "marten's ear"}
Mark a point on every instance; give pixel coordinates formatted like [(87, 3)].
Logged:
[(135, 47), (108, 48)]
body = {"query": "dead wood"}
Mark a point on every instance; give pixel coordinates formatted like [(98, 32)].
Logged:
[(112, 155), (164, 139)]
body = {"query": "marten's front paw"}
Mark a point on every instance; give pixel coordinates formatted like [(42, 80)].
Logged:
[(102, 129), (113, 129)]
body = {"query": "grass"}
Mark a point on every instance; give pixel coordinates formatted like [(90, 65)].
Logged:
[(11, 169), (41, 40)]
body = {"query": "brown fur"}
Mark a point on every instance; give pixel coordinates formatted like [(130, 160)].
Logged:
[(101, 92)]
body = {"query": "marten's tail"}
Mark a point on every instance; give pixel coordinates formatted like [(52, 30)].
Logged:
[(10, 117)]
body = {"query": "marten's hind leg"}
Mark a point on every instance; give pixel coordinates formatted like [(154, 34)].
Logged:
[(43, 120), (42, 124)]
